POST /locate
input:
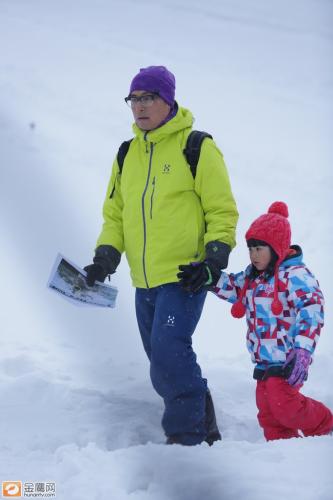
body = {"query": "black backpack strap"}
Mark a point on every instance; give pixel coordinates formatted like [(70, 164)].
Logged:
[(122, 152), (193, 148)]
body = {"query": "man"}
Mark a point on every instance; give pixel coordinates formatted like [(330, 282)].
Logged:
[(162, 217)]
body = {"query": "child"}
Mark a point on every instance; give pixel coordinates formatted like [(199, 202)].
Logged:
[(284, 309)]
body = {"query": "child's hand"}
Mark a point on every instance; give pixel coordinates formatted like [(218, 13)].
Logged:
[(302, 362)]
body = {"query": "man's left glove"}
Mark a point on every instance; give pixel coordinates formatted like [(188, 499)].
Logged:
[(197, 275), (106, 261), (302, 360)]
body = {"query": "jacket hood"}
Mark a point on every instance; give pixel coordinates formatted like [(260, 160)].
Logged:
[(182, 120), (295, 257)]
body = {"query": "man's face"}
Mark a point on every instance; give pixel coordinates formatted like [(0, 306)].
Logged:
[(148, 116), (260, 256)]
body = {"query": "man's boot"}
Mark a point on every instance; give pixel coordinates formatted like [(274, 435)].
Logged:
[(213, 433)]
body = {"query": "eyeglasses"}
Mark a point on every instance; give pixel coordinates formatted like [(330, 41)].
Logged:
[(145, 100)]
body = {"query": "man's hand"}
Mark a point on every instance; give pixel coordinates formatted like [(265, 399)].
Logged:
[(106, 261), (95, 272), (194, 276), (197, 275)]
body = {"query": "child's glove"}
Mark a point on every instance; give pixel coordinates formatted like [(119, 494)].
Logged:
[(196, 275), (302, 361)]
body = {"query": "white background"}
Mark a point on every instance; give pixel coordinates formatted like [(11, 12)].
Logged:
[(77, 406)]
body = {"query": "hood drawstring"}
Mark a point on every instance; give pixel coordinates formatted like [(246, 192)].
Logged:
[(276, 306), (238, 309)]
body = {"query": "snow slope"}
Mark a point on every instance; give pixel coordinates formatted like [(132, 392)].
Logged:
[(77, 405)]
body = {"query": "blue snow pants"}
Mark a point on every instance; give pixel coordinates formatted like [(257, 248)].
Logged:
[(167, 316)]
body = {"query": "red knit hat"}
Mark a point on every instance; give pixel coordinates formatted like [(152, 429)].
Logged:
[(274, 229)]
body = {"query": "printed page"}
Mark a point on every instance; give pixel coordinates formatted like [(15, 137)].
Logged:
[(68, 280)]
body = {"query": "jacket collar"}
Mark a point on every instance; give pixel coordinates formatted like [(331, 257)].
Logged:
[(182, 120)]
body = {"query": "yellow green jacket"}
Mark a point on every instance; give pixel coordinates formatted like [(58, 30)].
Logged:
[(157, 213)]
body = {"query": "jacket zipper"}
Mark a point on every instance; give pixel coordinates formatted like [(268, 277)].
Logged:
[(255, 317), (143, 213), (152, 198)]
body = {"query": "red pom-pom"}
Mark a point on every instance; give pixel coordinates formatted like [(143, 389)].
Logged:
[(279, 207), (238, 309), (276, 307)]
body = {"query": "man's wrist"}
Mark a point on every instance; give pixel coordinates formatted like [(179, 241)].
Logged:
[(218, 252), (108, 258)]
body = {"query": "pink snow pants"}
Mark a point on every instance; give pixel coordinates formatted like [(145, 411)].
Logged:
[(283, 410)]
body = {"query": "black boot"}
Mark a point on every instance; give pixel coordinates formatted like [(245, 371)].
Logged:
[(172, 440), (213, 433)]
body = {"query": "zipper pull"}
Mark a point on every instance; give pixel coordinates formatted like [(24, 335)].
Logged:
[(145, 139)]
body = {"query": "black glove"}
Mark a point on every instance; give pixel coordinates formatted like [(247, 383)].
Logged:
[(106, 261), (197, 275), (95, 272)]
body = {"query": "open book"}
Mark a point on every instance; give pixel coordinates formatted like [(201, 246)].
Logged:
[(68, 280)]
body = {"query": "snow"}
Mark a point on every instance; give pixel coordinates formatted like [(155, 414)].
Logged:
[(77, 404)]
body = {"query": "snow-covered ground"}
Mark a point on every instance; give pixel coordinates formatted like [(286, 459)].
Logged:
[(77, 406)]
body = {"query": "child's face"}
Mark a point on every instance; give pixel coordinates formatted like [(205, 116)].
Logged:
[(260, 256)]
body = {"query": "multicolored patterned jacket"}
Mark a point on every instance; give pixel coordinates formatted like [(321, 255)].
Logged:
[(270, 338)]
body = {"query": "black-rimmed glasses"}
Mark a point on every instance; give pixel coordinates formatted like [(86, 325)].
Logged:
[(145, 100)]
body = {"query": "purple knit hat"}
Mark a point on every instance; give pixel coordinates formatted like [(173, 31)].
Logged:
[(157, 79)]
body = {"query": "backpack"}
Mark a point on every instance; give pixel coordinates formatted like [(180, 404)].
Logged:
[(191, 151)]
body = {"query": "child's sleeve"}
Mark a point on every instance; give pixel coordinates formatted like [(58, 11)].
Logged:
[(305, 296), (229, 285)]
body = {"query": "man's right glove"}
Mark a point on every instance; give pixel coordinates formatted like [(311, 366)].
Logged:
[(106, 261), (197, 275)]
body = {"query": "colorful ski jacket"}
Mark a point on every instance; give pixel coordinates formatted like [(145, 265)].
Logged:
[(157, 213), (270, 338)]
